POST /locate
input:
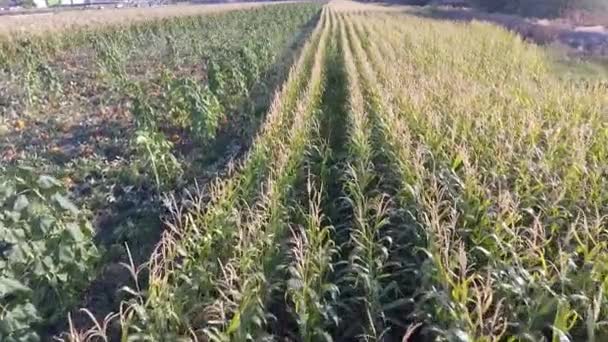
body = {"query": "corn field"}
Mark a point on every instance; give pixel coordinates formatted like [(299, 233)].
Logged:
[(407, 180)]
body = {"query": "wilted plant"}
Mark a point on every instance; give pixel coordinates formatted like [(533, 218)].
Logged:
[(158, 157)]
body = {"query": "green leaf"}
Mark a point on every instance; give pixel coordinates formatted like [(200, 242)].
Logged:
[(48, 182), (65, 203), (20, 318), (561, 324), (457, 162), (10, 286), (21, 203), (75, 232), (234, 324), (62, 276), (46, 224)]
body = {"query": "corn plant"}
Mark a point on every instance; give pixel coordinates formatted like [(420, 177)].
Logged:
[(245, 301), (221, 224), (411, 180), (174, 91)]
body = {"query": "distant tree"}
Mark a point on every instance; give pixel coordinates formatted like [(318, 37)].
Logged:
[(540, 8), (496, 5), (417, 2), (26, 3)]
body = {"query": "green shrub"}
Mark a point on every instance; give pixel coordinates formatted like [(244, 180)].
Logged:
[(47, 255)]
